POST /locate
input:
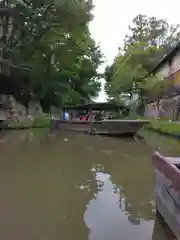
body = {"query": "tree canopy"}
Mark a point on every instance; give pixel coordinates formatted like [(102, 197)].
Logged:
[(50, 53), (149, 39)]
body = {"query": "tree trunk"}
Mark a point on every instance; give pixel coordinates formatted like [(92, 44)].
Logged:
[(4, 67), (5, 29)]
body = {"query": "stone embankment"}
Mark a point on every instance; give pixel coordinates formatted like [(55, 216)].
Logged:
[(10, 109), (166, 108)]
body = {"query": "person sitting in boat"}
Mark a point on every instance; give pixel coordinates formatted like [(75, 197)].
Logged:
[(66, 116), (85, 117), (98, 117)]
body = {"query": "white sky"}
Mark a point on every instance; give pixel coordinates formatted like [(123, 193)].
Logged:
[(112, 18)]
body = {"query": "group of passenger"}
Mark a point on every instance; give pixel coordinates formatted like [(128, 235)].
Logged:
[(85, 116)]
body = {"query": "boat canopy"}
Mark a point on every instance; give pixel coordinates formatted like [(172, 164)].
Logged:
[(96, 106)]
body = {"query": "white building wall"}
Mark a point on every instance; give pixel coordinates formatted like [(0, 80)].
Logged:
[(168, 106), (163, 71), (167, 70)]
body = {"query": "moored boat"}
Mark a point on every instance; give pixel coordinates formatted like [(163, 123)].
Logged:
[(103, 126), (166, 174)]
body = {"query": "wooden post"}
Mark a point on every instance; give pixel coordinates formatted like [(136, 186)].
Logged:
[(61, 114), (74, 114), (91, 121)]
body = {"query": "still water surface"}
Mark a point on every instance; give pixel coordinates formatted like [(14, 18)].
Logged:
[(75, 187)]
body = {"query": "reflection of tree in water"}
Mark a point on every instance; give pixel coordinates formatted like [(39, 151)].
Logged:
[(133, 220), (136, 198), (55, 180), (77, 188), (134, 184)]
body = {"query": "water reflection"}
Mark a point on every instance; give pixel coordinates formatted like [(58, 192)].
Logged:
[(166, 145), (107, 219), (73, 186)]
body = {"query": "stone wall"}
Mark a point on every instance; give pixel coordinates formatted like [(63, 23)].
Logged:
[(167, 108), (11, 108), (151, 110), (35, 109)]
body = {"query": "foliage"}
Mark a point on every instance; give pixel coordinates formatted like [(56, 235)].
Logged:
[(154, 87), (166, 127), (148, 41), (36, 123), (157, 33), (49, 46)]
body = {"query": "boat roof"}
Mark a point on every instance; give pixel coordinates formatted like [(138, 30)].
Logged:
[(96, 106), (166, 58)]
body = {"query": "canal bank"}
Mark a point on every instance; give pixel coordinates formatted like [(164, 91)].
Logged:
[(167, 128), (28, 123), (168, 146)]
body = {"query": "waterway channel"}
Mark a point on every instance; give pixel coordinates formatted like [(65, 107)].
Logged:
[(73, 186)]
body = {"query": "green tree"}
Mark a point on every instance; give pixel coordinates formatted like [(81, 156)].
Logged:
[(156, 32), (149, 39), (50, 47)]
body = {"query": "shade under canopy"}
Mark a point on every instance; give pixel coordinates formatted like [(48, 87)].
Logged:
[(96, 106)]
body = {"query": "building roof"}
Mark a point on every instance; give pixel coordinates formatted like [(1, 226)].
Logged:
[(96, 106), (167, 57)]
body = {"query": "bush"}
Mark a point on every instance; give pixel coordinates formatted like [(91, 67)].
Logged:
[(36, 123)]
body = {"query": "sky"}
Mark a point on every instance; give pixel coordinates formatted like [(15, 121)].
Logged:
[(112, 18)]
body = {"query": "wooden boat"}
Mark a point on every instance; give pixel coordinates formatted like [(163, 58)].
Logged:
[(166, 174), (104, 127), (161, 231), (3, 116)]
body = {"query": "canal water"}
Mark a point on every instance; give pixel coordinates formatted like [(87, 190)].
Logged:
[(76, 187)]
